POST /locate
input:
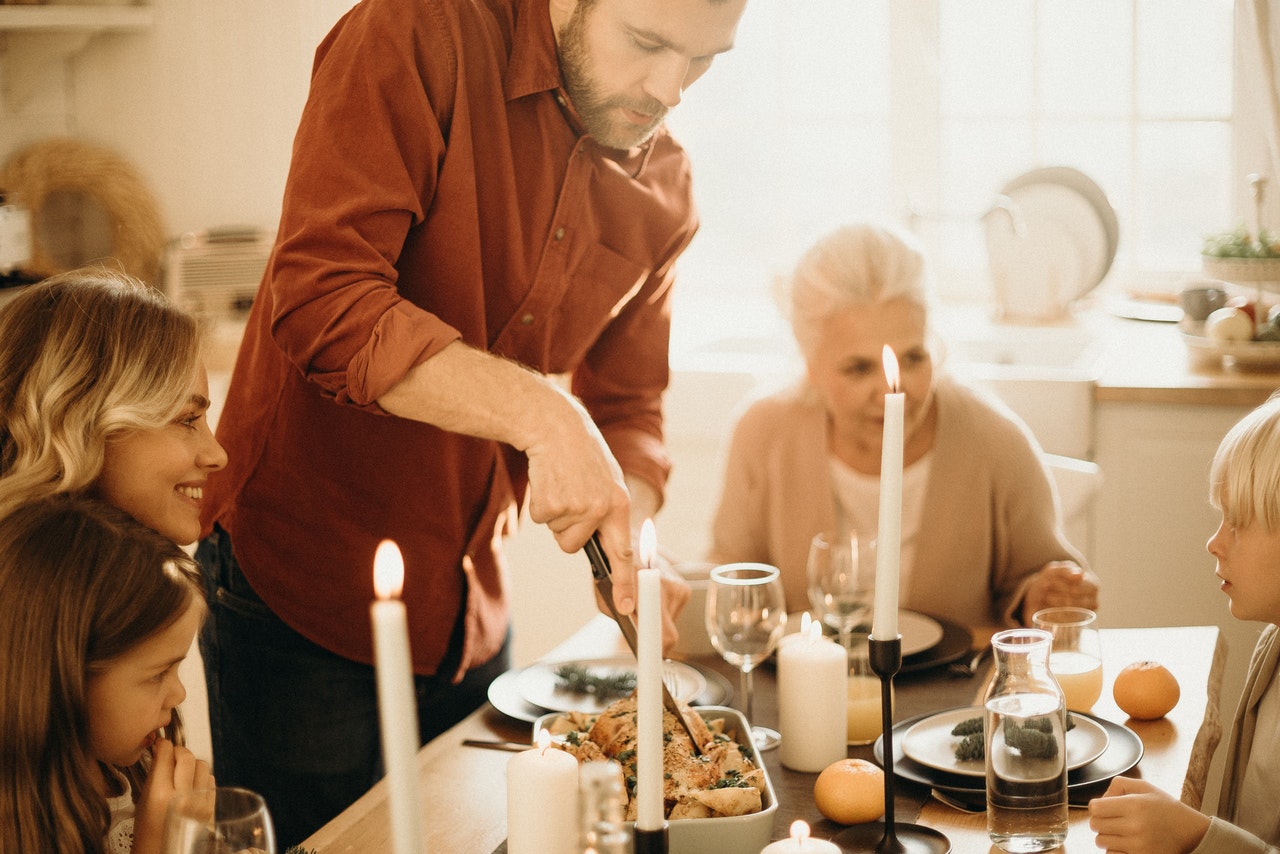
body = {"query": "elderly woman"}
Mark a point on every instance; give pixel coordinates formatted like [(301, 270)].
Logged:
[(982, 539)]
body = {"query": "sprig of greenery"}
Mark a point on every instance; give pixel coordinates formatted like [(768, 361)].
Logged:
[(1241, 244), (1034, 738), (581, 680)]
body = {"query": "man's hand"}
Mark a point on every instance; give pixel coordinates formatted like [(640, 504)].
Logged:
[(1134, 817), (576, 486), (1058, 584), (174, 770)]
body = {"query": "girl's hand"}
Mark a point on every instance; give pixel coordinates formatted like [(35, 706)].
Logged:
[(174, 770), (1134, 817)]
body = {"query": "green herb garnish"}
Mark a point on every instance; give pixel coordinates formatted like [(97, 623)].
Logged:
[(581, 680)]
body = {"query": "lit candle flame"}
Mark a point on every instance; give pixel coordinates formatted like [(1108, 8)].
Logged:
[(799, 830), (544, 739), (814, 628), (648, 543), (806, 620), (891, 368), (388, 570)]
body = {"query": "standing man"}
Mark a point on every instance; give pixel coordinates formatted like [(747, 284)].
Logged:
[(482, 194)]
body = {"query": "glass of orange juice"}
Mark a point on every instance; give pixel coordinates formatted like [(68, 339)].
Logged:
[(1075, 659), (865, 722)]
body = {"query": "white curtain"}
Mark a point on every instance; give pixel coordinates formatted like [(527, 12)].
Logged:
[(1261, 19)]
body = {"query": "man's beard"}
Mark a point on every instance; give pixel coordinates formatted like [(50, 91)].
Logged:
[(594, 108)]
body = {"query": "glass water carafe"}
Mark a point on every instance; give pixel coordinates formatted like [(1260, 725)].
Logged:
[(1025, 743)]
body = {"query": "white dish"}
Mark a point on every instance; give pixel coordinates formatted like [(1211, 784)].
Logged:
[(727, 834), (919, 632), (1242, 355), (540, 686), (1104, 213), (931, 743)]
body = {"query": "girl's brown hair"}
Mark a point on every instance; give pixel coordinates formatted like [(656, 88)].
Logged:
[(81, 583)]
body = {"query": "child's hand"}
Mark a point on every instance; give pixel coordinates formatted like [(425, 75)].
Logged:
[(1134, 817), (174, 770)]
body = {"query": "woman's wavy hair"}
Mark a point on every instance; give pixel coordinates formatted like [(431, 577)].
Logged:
[(84, 356), (81, 583)]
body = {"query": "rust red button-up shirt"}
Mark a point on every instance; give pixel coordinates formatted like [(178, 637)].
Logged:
[(440, 188)]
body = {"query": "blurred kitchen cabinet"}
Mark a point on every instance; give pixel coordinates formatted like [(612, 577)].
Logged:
[(34, 37), (1153, 519)]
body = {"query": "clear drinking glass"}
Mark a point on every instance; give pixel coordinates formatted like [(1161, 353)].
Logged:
[(1075, 659), (841, 587), (746, 616), (224, 820)]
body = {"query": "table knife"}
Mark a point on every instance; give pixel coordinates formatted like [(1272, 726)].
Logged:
[(603, 576)]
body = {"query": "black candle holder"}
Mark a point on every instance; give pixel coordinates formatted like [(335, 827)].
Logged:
[(888, 836), (651, 841)]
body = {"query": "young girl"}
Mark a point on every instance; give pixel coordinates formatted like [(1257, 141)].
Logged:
[(103, 390), (96, 612), (1134, 817)]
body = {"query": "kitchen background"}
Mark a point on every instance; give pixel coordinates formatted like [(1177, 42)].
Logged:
[(919, 111)]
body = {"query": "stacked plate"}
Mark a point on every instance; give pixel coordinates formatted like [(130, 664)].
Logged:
[(528, 693), (927, 641), (924, 752), (1051, 238)]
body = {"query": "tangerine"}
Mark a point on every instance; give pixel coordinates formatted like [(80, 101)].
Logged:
[(850, 791), (1146, 690)]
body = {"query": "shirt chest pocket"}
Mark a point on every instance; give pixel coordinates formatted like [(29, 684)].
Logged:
[(562, 319)]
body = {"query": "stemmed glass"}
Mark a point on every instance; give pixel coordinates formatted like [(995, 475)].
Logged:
[(841, 588), (746, 616), (225, 820)]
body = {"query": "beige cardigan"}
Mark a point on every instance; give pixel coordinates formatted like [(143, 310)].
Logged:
[(1224, 837), (990, 517)]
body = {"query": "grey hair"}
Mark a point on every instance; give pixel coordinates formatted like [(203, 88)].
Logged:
[(854, 265)]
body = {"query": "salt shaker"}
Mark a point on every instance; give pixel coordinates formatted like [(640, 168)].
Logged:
[(601, 805), (1025, 743)]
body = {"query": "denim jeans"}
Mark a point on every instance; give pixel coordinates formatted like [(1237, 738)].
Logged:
[(291, 720)]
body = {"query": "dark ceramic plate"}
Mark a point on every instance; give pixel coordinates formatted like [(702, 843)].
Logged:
[(1124, 750)]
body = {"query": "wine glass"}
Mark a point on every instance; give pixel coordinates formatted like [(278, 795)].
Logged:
[(224, 820), (746, 616), (841, 586), (1075, 658)]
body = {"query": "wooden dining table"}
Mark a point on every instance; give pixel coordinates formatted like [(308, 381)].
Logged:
[(463, 788)]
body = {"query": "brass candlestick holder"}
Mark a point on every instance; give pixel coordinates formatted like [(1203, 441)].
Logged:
[(888, 836)]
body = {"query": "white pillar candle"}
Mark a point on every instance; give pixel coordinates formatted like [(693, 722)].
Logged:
[(800, 842), (884, 620), (650, 811), (542, 800), (812, 673), (397, 710)]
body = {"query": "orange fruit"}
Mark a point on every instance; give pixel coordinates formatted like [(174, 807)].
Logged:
[(1145, 690), (850, 791)]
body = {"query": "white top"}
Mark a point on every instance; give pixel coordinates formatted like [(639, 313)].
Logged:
[(858, 506), (120, 833)]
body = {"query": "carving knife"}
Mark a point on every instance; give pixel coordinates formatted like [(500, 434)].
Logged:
[(603, 576)]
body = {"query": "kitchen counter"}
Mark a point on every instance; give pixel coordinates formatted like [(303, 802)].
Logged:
[(1132, 361)]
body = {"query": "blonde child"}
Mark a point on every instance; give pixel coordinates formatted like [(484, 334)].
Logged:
[(1133, 816), (103, 391), (96, 612)]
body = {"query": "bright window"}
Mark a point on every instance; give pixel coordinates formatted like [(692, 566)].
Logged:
[(919, 111)]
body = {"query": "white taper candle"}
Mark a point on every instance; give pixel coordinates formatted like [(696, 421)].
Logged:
[(397, 710), (884, 620)]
